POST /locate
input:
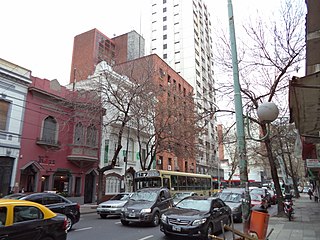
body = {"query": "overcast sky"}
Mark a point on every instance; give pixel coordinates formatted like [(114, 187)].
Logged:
[(38, 34)]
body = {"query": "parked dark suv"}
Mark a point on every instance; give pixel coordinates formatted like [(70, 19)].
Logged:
[(55, 203), (146, 206)]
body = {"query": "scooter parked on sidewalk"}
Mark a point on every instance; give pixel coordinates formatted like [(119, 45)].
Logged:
[(288, 206)]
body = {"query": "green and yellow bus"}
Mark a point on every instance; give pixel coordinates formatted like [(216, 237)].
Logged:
[(174, 181)]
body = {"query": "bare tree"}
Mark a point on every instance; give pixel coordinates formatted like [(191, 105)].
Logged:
[(271, 51)]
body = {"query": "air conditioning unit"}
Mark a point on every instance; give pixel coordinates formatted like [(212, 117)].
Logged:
[(169, 167)]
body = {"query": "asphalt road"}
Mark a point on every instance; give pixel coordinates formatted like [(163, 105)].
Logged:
[(92, 227)]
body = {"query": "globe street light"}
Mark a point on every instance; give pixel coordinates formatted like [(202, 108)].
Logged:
[(267, 112)]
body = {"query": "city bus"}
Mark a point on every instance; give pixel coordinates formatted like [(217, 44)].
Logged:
[(174, 181)]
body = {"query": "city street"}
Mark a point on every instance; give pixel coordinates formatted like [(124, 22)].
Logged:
[(91, 226)]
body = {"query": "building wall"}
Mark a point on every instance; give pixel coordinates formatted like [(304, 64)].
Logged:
[(14, 82), (46, 165), (171, 84), (129, 46), (89, 48), (181, 35), (312, 37)]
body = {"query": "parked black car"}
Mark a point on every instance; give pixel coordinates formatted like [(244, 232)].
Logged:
[(195, 216), (146, 206), (55, 203)]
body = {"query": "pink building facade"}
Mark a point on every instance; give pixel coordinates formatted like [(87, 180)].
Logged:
[(59, 144)]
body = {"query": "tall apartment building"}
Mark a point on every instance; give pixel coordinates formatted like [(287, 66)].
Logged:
[(181, 35)]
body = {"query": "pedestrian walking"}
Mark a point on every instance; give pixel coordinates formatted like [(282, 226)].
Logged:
[(310, 193), (316, 194)]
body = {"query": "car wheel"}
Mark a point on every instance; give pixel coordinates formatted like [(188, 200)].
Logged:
[(209, 232), (69, 223), (103, 216), (124, 222), (156, 219)]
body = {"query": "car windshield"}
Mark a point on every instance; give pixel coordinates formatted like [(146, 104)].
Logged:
[(181, 195), (233, 197), (223, 196), (14, 196), (197, 204), (255, 197), (144, 196), (258, 191), (121, 197)]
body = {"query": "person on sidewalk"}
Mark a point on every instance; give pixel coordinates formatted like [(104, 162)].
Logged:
[(316, 194), (310, 193)]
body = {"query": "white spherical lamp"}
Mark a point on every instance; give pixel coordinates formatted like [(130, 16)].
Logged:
[(268, 112)]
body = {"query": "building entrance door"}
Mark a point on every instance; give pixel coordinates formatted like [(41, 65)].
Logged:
[(6, 166), (89, 187)]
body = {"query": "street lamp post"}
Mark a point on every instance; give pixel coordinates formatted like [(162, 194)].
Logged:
[(239, 123)]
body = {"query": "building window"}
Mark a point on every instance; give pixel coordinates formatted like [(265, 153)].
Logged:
[(113, 184), (164, 1), (165, 37), (165, 18), (92, 136), (49, 132), (165, 27), (4, 108), (164, 46), (78, 134), (165, 56), (164, 9)]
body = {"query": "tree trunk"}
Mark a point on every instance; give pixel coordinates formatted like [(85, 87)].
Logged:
[(274, 172)]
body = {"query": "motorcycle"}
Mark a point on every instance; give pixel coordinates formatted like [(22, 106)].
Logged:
[(288, 207)]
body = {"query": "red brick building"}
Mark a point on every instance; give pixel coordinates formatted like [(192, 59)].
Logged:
[(91, 47), (122, 52), (59, 149), (175, 94)]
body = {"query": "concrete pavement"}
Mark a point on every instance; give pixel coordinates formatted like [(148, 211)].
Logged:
[(305, 225)]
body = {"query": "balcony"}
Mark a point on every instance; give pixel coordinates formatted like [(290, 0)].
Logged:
[(83, 156), (48, 143)]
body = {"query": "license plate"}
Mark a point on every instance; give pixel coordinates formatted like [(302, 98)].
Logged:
[(177, 229), (132, 214)]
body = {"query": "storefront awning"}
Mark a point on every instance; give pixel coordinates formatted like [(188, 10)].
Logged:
[(304, 104)]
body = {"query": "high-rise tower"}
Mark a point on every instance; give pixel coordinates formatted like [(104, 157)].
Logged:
[(181, 35)]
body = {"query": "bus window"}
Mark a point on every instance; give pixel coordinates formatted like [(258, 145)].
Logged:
[(182, 182), (166, 183), (191, 182), (174, 182)]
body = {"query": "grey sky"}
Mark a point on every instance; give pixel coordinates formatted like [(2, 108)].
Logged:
[(38, 34)]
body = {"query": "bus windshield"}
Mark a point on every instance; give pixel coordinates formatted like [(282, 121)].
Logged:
[(148, 182)]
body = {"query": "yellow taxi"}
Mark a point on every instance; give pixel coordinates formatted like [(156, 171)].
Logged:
[(25, 220)]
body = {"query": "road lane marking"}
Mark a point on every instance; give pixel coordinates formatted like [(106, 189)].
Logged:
[(82, 229), (147, 237)]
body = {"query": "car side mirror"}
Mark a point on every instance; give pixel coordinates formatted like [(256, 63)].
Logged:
[(215, 210)]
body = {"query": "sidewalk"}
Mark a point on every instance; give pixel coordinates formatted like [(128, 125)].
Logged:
[(305, 224), (88, 208)]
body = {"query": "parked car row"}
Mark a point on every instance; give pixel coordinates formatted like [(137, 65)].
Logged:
[(192, 215)]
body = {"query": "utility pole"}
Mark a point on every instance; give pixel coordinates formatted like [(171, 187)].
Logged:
[(239, 123)]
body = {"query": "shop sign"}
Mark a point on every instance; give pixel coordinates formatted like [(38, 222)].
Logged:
[(313, 163)]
